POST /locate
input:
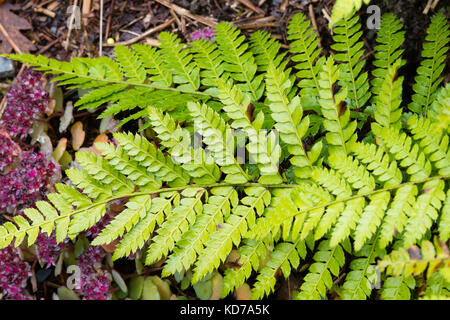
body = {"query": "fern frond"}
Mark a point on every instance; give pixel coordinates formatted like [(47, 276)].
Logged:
[(390, 38), (265, 49), (231, 231), (388, 112), (328, 262), (129, 62), (191, 244), (289, 121), (397, 215), (379, 163), (178, 142), (304, 45), (251, 253), (429, 257), (141, 231), (347, 34), (141, 150), (359, 282), (398, 288), (180, 62), (341, 132), (434, 146), (404, 150), (154, 65), (424, 212), (176, 224), (428, 76), (284, 257), (239, 61), (440, 110), (444, 222), (219, 139)]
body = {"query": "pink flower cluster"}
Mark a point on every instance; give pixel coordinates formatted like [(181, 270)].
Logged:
[(14, 274), (26, 183), (47, 249), (94, 283), (207, 34), (9, 150), (26, 100)]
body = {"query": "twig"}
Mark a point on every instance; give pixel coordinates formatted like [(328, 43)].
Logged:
[(48, 46), (45, 11), (312, 16), (183, 12), (100, 41), (427, 7), (146, 33), (108, 23), (245, 23), (85, 11), (250, 5), (72, 17), (435, 3)]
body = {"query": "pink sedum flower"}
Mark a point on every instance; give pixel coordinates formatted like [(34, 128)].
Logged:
[(9, 150), (26, 100), (206, 34), (26, 183), (14, 274), (94, 283), (47, 249)]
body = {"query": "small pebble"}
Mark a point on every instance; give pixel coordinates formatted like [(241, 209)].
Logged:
[(6, 68)]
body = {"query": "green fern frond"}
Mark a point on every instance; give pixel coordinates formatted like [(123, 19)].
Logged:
[(284, 257), (304, 45), (328, 262), (398, 288), (341, 132), (389, 40), (231, 231), (347, 34), (360, 281), (239, 62), (388, 112), (250, 256), (428, 76), (429, 257)]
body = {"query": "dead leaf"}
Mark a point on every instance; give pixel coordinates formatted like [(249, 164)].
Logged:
[(60, 148), (100, 138), (78, 135), (243, 292), (111, 246), (12, 23)]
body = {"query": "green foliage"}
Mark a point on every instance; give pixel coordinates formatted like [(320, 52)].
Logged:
[(347, 34), (429, 72), (345, 8), (324, 188), (387, 51)]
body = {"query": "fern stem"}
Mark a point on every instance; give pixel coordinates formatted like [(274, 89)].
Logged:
[(368, 194)]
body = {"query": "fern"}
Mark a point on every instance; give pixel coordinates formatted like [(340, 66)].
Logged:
[(190, 205), (347, 37), (432, 65), (390, 38)]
